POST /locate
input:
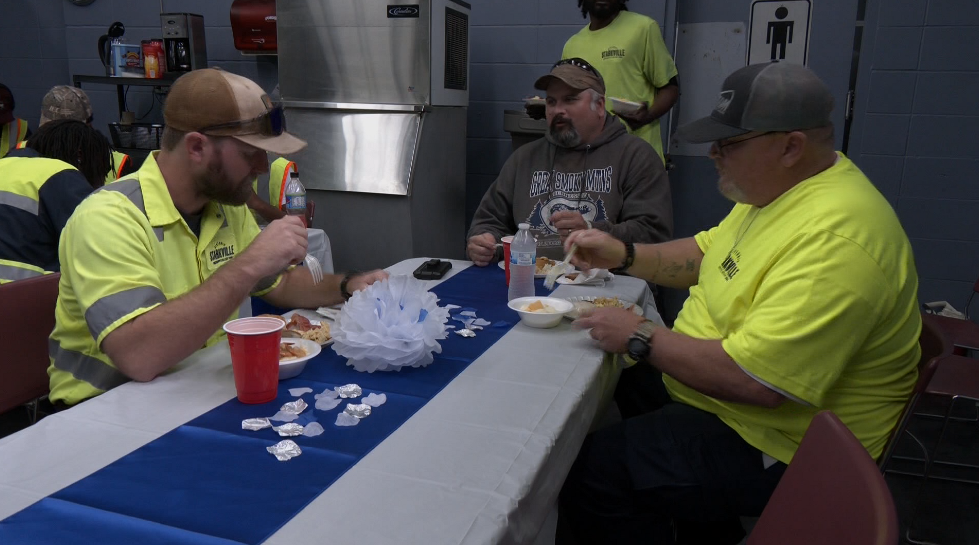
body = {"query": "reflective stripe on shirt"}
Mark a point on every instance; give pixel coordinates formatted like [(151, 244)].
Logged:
[(86, 368), (110, 308)]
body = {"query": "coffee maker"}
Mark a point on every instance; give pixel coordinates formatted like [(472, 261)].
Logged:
[(183, 41)]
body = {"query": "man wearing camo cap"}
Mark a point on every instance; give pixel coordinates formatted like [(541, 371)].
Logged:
[(66, 102)]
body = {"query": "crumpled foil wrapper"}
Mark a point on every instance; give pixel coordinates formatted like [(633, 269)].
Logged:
[(289, 430), (349, 390), (285, 450), (360, 410), (391, 324), (255, 424), (295, 407)]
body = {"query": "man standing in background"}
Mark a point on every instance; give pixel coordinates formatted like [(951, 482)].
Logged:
[(628, 50)]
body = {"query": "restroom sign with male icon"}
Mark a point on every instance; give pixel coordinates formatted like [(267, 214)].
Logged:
[(779, 31)]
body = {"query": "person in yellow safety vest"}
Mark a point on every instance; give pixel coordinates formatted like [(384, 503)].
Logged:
[(12, 130), (269, 197), (66, 102), (40, 186)]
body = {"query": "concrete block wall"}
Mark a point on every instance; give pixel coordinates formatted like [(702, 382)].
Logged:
[(44, 42), (916, 132)]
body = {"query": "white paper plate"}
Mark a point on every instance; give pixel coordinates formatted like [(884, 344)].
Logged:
[(312, 316), (502, 265), (573, 313), (621, 106)]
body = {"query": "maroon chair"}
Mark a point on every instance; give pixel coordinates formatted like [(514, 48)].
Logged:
[(934, 346), (832, 492), (26, 320)]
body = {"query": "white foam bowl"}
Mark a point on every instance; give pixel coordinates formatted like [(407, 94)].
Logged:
[(541, 319), (292, 367)]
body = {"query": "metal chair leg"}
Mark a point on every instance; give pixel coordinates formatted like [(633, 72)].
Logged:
[(924, 481)]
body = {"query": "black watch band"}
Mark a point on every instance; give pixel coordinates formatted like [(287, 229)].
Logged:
[(630, 257), (343, 287)]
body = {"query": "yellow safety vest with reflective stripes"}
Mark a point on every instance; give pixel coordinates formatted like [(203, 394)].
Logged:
[(11, 134), (126, 250), (119, 161), (29, 224), (275, 193)]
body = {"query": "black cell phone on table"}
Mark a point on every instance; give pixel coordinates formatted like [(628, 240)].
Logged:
[(433, 269)]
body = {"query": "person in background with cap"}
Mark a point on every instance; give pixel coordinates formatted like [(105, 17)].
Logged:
[(66, 102), (802, 299), (12, 130), (586, 172), (628, 49), (154, 264), (40, 186)]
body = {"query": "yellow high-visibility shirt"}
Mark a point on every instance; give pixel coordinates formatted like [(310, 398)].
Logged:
[(126, 250)]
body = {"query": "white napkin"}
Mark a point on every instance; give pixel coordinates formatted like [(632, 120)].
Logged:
[(392, 324), (593, 277)]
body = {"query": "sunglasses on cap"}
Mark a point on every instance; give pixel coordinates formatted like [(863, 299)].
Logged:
[(576, 62), (271, 123)]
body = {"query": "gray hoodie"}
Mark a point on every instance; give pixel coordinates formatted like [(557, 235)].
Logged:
[(617, 182)]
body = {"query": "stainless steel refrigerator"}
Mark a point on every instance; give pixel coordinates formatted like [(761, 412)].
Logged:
[(380, 90)]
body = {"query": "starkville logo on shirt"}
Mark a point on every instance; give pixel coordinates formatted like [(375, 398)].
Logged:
[(613, 53), (222, 252), (729, 267)]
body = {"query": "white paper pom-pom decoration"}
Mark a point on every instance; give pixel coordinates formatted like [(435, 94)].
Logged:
[(392, 324)]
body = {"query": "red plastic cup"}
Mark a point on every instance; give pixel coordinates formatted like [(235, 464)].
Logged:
[(506, 256), (254, 346)]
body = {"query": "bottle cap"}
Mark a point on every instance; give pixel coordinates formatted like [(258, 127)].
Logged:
[(523, 226)]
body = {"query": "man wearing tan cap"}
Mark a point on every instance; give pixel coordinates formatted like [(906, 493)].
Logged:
[(66, 102), (154, 264), (586, 172)]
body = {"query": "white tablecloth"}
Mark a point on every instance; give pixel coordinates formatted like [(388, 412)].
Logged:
[(482, 462)]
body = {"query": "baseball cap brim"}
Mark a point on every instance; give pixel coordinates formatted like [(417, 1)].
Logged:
[(284, 144), (708, 129)]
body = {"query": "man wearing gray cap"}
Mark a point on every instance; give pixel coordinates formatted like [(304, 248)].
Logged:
[(802, 299), (587, 172)]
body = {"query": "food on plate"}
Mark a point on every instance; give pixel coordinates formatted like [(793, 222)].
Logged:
[(289, 351), (544, 265), (300, 327), (538, 306), (610, 302), (571, 276)]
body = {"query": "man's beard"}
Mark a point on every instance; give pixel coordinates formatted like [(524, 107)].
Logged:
[(217, 186), (732, 192), (568, 137)]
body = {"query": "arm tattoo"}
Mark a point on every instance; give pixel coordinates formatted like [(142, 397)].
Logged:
[(691, 265), (672, 269)]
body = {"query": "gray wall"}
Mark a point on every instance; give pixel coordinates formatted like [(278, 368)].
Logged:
[(44, 42), (916, 132)]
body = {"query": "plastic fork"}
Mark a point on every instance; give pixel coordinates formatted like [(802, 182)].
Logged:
[(559, 268), (315, 269)]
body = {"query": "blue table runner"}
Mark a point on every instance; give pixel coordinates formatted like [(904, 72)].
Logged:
[(210, 482)]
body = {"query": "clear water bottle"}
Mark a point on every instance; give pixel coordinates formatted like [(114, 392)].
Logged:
[(523, 263), (295, 197)]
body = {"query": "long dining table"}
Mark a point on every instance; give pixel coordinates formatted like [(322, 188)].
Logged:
[(480, 461)]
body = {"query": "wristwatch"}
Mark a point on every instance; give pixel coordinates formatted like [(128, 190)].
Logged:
[(638, 344), (343, 287), (630, 256)]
